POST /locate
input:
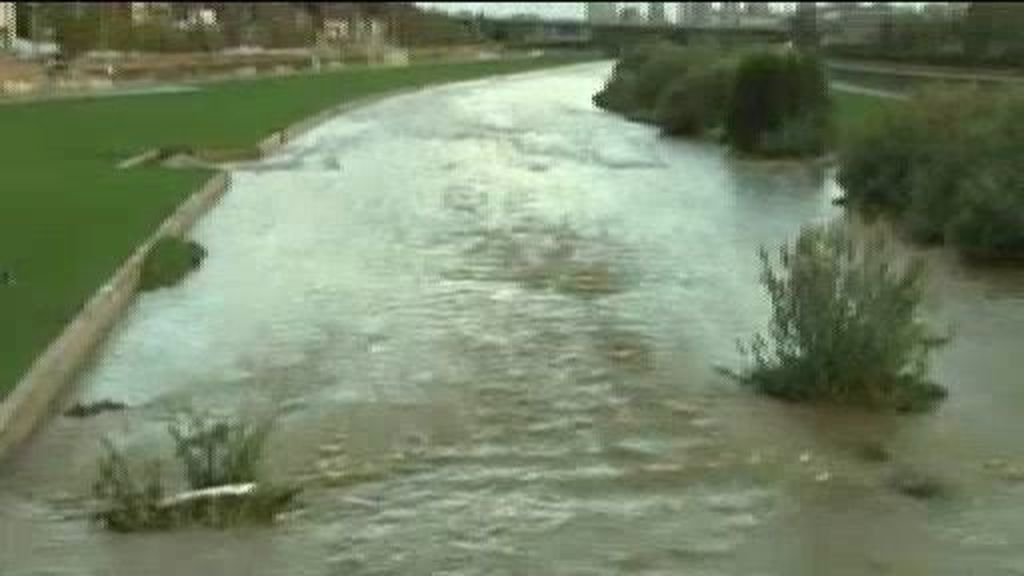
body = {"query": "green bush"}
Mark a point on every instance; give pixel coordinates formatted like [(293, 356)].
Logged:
[(168, 261), (617, 95), (779, 105), (648, 77), (946, 165), (843, 326), (989, 223), (665, 64), (692, 105)]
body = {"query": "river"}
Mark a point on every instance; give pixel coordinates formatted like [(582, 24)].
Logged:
[(490, 316)]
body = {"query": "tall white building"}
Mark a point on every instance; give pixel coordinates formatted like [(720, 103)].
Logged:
[(693, 13), (758, 9), (729, 14), (602, 12), (8, 26), (656, 12)]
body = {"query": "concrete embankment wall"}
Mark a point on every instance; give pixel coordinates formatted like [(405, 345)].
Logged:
[(41, 389)]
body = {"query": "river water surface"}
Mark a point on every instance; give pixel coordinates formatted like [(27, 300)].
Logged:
[(490, 316)]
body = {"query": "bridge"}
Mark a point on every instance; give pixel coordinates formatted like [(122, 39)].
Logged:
[(613, 37)]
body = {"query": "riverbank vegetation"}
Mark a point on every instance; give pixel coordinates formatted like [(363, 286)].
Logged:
[(844, 326), (779, 106), (946, 166), (70, 217), (221, 463), (767, 102)]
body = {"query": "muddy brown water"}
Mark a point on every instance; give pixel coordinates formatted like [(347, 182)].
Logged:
[(490, 315)]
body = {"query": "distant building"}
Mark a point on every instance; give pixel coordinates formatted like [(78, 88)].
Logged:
[(850, 23), (8, 25), (729, 14), (758, 9), (601, 12), (656, 12), (630, 15), (693, 13), (354, 29), (201, 17), (946, 10), (145, 12)]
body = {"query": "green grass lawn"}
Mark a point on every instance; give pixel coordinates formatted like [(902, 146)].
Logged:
[(855, 110), (68, 217)]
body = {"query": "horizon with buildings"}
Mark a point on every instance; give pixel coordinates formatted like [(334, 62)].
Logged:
[(674, 12)]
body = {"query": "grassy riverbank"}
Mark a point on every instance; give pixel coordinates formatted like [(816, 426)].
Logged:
[(69, 217), (852, 111)]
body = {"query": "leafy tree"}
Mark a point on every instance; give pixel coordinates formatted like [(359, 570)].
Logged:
[(779, 105)]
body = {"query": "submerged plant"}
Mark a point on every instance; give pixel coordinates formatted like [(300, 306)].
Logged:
[(844, 325), (168, 261), (220, 460), (219, 452), (131, 504)]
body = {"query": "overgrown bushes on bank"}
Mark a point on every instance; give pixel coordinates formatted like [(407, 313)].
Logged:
[(844, 326), (767, 102), (692, 106), (642, 78), (779, 106), (946, 165), (169, 260)]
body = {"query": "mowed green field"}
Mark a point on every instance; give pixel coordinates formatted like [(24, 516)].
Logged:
[(852, 111), (69, 217)]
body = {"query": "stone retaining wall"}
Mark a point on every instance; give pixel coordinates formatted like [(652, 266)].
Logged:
[(41, 389)]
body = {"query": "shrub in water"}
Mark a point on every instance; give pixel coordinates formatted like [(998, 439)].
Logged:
[(168, 261), (843, 326), (132, 504), (219, 455), (218, 452)]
